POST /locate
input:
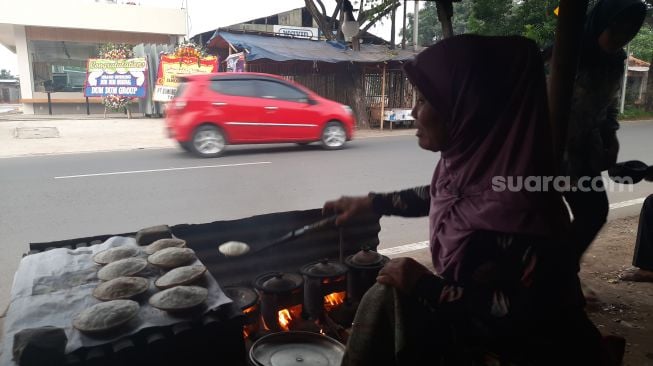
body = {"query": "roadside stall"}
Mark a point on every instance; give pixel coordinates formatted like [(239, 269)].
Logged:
[(62, 312), (286, 293)]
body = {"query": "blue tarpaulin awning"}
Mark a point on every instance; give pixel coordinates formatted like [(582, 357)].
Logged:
[(292, 49)]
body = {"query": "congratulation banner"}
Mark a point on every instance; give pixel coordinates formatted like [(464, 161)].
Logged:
[(122, 77), (171, 67)]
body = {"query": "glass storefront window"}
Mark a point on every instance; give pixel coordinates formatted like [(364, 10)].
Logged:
[(60, 66)]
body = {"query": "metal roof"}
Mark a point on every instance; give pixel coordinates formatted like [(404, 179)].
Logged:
[(292, 49)]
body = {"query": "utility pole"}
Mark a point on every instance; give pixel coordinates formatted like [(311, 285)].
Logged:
[(392, 35), (415, 25), (625, 82), (185, 8), (403, 33)]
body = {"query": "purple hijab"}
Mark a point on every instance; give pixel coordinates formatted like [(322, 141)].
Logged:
[(491, 93)]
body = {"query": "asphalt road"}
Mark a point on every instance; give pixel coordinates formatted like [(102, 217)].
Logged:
[(59, 197)]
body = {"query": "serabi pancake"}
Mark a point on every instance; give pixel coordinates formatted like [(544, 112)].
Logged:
[(121, 268), (121, 288), (233, 248), (179, 298), (106, 316), (164, 243), (180, 276), (172, 257), (114, 254)]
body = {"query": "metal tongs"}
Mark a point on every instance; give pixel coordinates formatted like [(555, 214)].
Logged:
[(329, 221), (243, 248)]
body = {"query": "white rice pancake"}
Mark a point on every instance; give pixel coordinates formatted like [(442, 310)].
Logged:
[(106, 316), (172, 257), (121, 268), (121, 288), (165, 243), (115, 254), (233, 248), (179, 298), (180, 276)]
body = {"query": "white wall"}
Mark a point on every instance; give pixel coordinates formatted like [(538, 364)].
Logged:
[(86, 14), (24, 67)]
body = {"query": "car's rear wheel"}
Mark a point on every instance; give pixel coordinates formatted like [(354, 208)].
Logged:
[(334, 136), (208, 141)]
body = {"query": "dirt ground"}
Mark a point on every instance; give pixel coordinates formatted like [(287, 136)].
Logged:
[(617, 307)]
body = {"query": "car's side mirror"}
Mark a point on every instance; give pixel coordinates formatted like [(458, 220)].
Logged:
[(311, 101)]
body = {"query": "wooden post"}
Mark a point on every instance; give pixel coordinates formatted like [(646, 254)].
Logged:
[(566, 52), (49, 103), (445, 12), (383, 98)]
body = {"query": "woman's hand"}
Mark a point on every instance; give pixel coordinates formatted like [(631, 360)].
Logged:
[(348, 207), (402, 274)]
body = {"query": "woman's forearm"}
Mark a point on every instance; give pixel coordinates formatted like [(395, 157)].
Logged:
[(413, 202)]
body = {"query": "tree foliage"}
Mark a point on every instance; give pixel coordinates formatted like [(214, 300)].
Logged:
[(642, 46), (6, 75), (366, 12), (531, 18), (430, 30)]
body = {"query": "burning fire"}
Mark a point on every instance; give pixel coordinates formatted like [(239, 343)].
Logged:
[(284, 319), (286, 316), (333, 300)]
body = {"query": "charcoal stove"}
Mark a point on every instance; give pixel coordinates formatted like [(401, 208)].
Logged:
[(325, 283), (279, 291), (363, 267)]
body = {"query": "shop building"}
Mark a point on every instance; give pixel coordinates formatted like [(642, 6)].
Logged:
[(54, 40)]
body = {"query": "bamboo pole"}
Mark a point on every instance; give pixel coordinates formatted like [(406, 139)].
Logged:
[(566, 52)]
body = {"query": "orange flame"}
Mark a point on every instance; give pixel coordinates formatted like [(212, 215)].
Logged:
[(333, 300), (284, 319)]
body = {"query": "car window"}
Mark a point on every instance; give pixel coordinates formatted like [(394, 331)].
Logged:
[(242, 88), (277, 90)]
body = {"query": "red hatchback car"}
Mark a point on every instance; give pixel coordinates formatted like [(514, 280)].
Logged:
[(211, 111)]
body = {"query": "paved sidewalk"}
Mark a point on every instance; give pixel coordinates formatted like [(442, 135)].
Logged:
[(91, 135)]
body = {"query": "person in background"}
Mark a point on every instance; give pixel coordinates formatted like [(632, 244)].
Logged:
[(643, 256), (592, 144), (506, 281)]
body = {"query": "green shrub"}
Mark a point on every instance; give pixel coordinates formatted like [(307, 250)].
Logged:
[(632, 112)]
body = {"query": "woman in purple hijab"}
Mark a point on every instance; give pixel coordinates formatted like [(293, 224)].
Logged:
[(505, 285)]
